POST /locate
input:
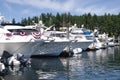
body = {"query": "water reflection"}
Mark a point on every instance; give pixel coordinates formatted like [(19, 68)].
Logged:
[(103, 64), (99, 65), (19, 73), (48, 68)]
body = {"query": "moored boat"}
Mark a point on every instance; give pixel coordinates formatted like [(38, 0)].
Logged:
[(15, 38), (81, 38), (54, 43)]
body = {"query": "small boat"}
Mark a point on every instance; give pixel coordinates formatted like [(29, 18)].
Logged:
[(111, 42), (15, 38), (100, 40), (100, 44)]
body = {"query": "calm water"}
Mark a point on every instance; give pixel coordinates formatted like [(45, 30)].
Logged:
[(101, 64)]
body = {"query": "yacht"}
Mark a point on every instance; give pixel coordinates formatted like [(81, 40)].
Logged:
[(54, 43), (81, 38), (15, 39)]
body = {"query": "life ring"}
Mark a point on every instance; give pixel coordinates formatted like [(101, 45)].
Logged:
[(22, 33)]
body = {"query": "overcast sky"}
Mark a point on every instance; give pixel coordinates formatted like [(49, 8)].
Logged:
[(19, 9)]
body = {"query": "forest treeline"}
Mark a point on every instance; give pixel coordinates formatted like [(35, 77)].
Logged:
[(106, 23)]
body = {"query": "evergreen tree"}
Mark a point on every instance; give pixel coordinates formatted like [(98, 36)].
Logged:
[(106, 23), (13, 21)]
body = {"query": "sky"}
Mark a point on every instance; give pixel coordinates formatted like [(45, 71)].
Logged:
[(19, 9)]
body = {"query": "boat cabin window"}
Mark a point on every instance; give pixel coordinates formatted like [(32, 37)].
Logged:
[(77, 33), (58, 35), (27, 31), (89, 37)]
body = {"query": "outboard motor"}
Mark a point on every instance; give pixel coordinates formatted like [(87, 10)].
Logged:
[(22, 59), (5, 56), (8, 59)]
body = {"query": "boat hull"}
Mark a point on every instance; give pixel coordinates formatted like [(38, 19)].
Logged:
[(80, 44), (100, 45), (51, 48), (25, 48)]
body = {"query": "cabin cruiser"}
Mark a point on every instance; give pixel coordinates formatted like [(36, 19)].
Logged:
[(15, 39), (54, 43), (81, 38)]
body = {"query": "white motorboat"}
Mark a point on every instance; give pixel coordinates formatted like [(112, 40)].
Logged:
[(100, 40), (81, 38), (111, 42), (100, 44), (54, 43), (19, 39)]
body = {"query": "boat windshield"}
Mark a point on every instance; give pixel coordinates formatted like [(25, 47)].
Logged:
[(58, 35), (17, 31), (90, 37), (77, 33)]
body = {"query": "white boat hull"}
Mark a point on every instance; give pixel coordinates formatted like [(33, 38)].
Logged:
[(111, 44), (51, 48), (25, 48), (100, 45), (80, 44)]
